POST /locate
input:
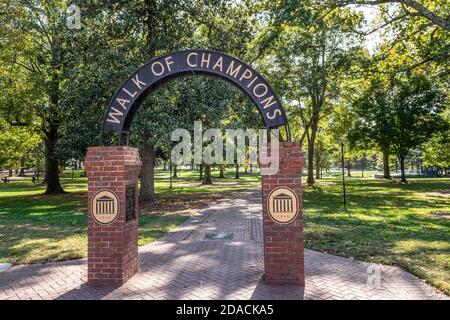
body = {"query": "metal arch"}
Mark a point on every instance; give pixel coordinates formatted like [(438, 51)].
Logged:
[(132, 93)]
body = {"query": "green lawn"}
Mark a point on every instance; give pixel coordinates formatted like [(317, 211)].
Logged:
[(37, 228), (407, 225)]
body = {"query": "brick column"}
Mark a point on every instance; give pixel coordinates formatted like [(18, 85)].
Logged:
[(112, 247), (283, 242)]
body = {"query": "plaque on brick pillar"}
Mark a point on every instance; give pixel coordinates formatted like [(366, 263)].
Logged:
[(130, 202), (105, 207), (282, 205)]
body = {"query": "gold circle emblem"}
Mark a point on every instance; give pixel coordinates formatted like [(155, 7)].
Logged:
[(282, 205), (105, 207)]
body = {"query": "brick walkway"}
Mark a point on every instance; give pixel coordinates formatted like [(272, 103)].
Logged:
[(197, 261)]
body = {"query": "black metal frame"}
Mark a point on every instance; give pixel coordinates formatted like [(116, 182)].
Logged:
[(180, 70)]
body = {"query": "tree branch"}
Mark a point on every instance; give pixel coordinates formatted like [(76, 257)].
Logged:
[(443, 22)]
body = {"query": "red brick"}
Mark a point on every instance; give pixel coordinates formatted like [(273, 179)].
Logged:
[(283, 243), (112, 249)]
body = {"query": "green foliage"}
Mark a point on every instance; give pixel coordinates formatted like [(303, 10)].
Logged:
[(436, 151), (374, 127), (400, 117), (18, 146), (417, 108)]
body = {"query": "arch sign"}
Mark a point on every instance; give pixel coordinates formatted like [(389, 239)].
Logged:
[(113, 173), (133, 92)]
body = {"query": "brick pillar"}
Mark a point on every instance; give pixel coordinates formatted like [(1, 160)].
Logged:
[(112, 245), (283, 242)]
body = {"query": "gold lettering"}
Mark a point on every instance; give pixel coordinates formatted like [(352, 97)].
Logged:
[(188, 59), (113, 115), (246, 75), (251, 82), (233, 72), (277, 111), (219, 63), (256, 87), (122, 102), (129, 93), (138, 82), (169, 61), (268, 102), (205, 60), (160, 65)]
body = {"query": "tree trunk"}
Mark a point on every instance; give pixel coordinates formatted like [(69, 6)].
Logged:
[(236, 175), (201, 171), (349, 173), (386, 171), (251, 167), (147, 191), (222, 171), (51, 163), (207, 177), (175, 171), (317, 167), (402, 168), (310, 180), (164, 165), (311, 141)]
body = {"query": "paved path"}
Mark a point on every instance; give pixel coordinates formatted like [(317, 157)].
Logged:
[(217, 254)]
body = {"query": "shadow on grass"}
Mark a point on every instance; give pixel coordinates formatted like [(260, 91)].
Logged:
[(385, 224)]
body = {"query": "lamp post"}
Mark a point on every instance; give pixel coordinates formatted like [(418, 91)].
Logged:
[(342, 141), (363, 160), (170, 172)]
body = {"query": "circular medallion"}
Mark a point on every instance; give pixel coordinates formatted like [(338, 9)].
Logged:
[(282, 205), (105, 207)]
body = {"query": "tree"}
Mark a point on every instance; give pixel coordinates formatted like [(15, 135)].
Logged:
[(44, 40), (313, 53), (400, 117), (374, 127), (44, 58), (417, 115), (18, 146), (436, 152), (408, 9)]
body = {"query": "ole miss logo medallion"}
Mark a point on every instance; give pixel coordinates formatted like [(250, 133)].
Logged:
[(105, 207), (282, 205)]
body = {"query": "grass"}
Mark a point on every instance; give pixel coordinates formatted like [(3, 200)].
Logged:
[(407, 225), (36, 228)]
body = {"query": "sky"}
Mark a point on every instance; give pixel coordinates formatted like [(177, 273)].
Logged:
[(373, 39)]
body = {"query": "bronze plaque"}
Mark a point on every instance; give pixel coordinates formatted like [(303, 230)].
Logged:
[(105, 207), (129, 204), (282, 205)]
